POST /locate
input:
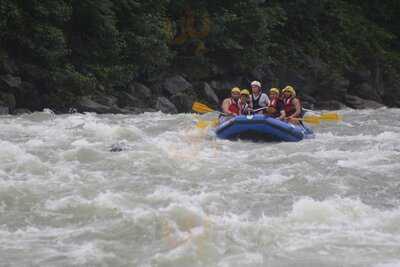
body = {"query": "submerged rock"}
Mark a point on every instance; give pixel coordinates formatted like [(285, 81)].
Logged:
[(120, 146)]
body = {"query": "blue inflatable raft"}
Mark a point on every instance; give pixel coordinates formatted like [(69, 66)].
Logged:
[(262, 128)]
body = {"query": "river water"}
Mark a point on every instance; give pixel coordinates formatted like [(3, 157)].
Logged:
[(175, 196)]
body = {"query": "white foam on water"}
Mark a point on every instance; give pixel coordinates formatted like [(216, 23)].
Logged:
[(176, 196), (390, 264)]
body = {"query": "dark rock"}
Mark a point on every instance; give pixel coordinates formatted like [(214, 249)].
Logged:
[(86, 104), (100, 88), (27, 96), (330, 105), (308, 101), (373, 104), (392, 93), (334, 88), (120, 146), (182, 102), (128, 100), (33, 73), (216, 70), (358, 76), (9, 100), (354, 102), (4, 110), (287, 76), (19, 111), (316, 67), (365, 91), (7, 66), (359, 103), (10, 81), (176, 84), (136, 110), (263, 73), (139, 90), (310, 88), (106, 100), (165, 106), (210, 95), (223, 88), (323, 83)]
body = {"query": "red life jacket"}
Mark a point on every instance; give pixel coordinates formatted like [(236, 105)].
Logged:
[(273, 103), (288, 106), (234, 107)]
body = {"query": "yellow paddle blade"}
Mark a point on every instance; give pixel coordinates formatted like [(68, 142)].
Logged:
[(311, 119), (330, 117), (201, 108), (204, 124), (214, 122)]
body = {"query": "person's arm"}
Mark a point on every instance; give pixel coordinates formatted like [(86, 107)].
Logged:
[(250, 103), (297, 105), (225, 106), (267, 101), (283, 115)]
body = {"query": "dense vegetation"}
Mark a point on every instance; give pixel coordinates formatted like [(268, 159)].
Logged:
[(75, 44)]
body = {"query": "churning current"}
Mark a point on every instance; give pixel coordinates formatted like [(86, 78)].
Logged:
[(177, 196)]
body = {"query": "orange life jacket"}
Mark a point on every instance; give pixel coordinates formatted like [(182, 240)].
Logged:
[(289, 107), (274, 103), (234, 107)]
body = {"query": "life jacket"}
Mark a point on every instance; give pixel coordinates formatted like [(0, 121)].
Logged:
[(243, 107), (289, 108), (256, 102), (234, 107), (274, 105)]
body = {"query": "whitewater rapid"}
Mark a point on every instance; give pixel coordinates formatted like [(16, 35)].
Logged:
[(177, 196)]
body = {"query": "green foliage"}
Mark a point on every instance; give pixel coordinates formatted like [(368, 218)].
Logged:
[(339, 32), (80, 42), (142, 29), (94, 37)]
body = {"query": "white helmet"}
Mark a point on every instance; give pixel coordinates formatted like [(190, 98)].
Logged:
[(256, 83)]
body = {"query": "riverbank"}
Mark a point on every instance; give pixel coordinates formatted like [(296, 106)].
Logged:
[(99, 57), (24, 88)]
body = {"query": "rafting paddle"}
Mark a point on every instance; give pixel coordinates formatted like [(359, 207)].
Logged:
[(330, 117), (204, 124), (309, 119), (201, 108)]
